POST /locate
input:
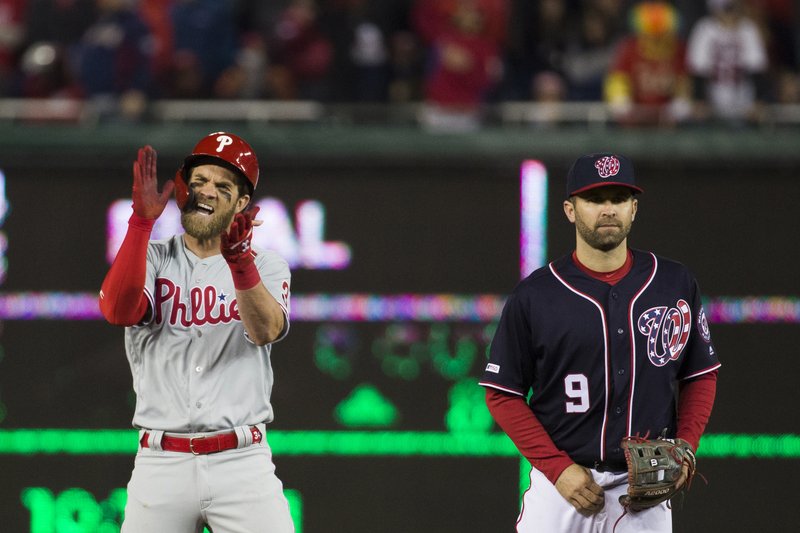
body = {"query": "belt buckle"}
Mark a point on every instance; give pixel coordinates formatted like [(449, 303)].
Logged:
[(191, 444)]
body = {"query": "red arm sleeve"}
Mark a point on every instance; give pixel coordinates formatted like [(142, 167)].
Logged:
[(122, 298), (694, 406), (513, 415)]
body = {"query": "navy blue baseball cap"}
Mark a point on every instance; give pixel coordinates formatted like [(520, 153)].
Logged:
[(600, 170)]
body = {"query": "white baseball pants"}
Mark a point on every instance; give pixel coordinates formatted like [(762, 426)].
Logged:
[(544, 509), (234, 491)]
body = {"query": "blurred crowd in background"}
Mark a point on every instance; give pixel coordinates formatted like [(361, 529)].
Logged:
[(662, 62)]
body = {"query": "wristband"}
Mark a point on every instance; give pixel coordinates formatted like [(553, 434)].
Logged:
[(141, 223), (245, 275)]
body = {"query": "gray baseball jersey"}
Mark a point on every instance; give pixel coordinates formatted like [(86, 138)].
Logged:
[(193, 367)]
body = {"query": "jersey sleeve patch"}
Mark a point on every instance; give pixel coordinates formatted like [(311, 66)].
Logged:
[(702, 325), (493, 368)]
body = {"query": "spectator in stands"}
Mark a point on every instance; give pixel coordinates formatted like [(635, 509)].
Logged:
[(406, 68), (777, 21), (301, 55), (12, 33), (256, 21), (359, 37), (591, 48), (728, 63), (53, 30), (464, 66), (648, 82), (45, 72), (155, 13), (62, 22), (113, 61), (537, 41), (431, 17), (204, 47), (363, 36), (247, 77), (690, 12), (549, 90), (369, 56), (613, 12), (258, 16)]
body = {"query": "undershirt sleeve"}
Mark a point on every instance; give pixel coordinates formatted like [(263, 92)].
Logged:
[(514, 416), (122, 298), (695, 401)]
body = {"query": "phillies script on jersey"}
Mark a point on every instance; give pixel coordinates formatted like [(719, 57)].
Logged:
[(207, 305)]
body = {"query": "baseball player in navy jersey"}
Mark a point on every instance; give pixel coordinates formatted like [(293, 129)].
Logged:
[(201, 311), (604, 343)]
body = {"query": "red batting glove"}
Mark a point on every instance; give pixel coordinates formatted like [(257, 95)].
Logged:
[(235, 245), (148, 203)]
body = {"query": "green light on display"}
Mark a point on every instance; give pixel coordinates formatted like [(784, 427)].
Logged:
[(77, 511), (468, 411), (390, 443), (451, 365), (401, 351), (747, 446), (366, 407), (73, 511), (334, 350), (369, 443), (41, 505), (295, 500), (524, 477), (68, 441)]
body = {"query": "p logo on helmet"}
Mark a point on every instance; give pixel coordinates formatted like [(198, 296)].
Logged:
[(218, 148), (224, 141)]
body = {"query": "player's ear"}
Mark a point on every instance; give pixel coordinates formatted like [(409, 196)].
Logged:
[(635, 208), (242, 203), (569, 210)]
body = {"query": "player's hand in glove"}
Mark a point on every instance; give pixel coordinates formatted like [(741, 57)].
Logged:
[(235, 244), (147, 201), (657, 470)]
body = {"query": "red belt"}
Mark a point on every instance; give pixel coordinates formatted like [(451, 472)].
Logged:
[(201, 445)]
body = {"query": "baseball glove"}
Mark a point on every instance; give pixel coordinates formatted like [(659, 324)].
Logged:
[(654, 468)]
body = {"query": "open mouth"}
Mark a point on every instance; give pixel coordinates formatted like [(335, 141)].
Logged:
[(204, 209)]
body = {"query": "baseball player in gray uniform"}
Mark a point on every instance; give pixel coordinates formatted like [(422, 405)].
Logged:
[(201, 311)]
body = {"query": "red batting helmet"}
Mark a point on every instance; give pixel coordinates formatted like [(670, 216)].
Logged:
[(219, 148)]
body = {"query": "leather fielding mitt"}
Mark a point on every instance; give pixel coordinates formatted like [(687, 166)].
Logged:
[(654, 468)]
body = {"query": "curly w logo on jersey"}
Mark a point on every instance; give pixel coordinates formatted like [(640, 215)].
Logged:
[(667, 331), (607, 166)]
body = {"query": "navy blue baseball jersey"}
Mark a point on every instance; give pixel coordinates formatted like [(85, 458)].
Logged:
[(601, 362)]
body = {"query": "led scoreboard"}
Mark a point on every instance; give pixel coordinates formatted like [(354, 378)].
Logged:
[(399, 274), (397, 281)]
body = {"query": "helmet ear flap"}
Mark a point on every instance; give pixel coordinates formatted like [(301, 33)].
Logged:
[(183, 194)]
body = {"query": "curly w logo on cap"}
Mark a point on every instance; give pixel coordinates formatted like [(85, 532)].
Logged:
[(607, 166)]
